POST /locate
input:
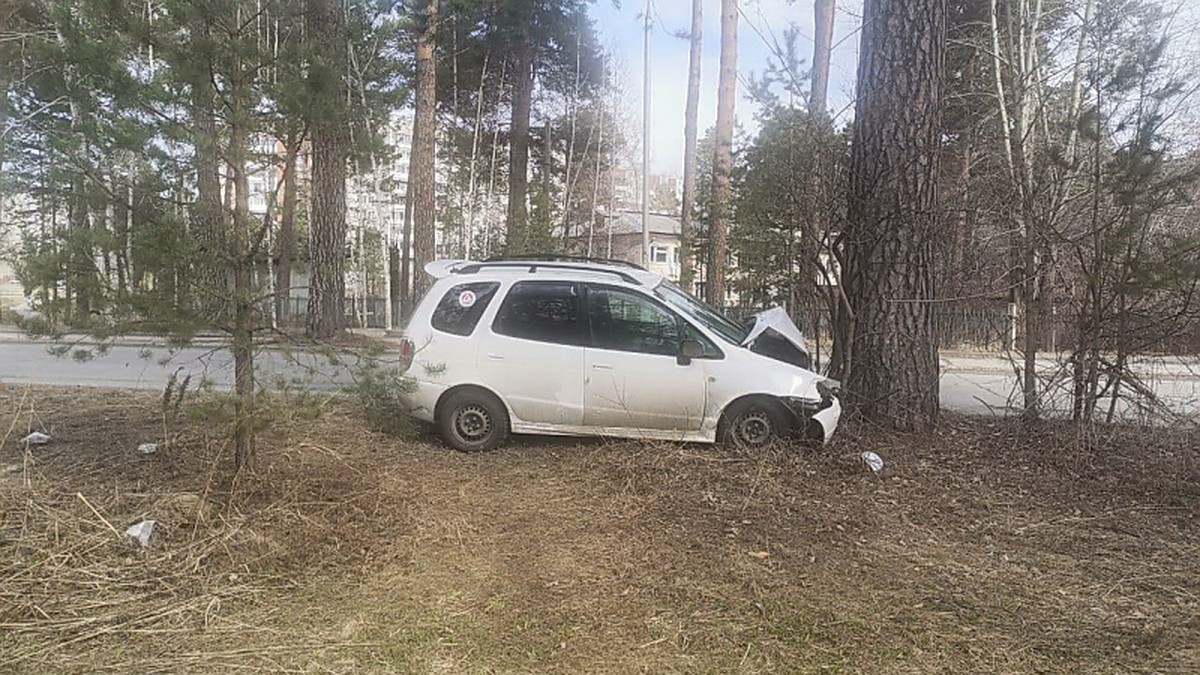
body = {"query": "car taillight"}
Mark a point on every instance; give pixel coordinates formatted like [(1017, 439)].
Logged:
[(407, 350)]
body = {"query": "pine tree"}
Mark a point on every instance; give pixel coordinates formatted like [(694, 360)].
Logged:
[(891, 366), (723, 159), (691, 110), (421, 172), (327, 228)]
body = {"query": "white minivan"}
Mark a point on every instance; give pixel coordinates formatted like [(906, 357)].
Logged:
[(582, 347)]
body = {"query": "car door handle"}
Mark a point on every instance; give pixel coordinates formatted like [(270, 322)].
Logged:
[(601, 366), (495, 357)]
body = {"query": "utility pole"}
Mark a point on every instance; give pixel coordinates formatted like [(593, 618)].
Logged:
[(646, 141)]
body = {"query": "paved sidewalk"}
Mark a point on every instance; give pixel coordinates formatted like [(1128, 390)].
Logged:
[(10, 334), (1152, 367)]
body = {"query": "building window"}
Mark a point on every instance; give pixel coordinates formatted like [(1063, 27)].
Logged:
[(659, 254)]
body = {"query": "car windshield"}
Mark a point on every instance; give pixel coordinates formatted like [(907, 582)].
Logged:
[(705, 314)]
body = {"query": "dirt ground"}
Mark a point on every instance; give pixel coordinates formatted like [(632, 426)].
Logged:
[(976, 549)]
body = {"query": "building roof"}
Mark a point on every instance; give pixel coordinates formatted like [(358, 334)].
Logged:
[(630, 222)]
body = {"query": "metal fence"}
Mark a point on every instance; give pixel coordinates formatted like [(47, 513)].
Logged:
[(359, 312), (994, 327)]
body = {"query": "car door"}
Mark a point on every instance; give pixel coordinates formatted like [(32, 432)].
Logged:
[(532, 355), (635, 379)]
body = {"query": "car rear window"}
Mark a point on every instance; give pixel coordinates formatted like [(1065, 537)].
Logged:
[(546, 311), (460, 308)]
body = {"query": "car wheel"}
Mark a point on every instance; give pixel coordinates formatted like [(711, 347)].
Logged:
[(753, 424), (472, 421)]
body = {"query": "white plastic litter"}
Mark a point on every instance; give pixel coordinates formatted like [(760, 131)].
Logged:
[(873, 461), (36, 438), (141, 531), (148, 448)]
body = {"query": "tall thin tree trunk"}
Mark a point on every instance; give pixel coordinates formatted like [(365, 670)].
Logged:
[(542, 234), (646, 101), (406, 241), (723, 157), (488, 234), (473, 170), (687, 270), (287, 229), (210, 278), (596, 176), (421, 172), (327, 226), (573, 112), (5, 16), (517, 224), (893, 212), (242, 257), (823, 13)]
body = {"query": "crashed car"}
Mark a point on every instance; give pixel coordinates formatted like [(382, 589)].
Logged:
[(584, 347)]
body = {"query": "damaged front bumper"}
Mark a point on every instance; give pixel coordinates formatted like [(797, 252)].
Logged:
[(815, 419)]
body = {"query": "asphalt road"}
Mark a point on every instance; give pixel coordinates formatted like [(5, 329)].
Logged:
[(973, 384), (147, 367)]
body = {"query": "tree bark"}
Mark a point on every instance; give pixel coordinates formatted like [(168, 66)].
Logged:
[(893, 213), (517, 226), (421, 168), (823, 11), (243, 291), (687, 271), (327, 224), (723, 157), (210, 278)]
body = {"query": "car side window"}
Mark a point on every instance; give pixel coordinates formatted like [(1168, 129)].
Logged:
[(628, 322), (460, 308), (546, 311)]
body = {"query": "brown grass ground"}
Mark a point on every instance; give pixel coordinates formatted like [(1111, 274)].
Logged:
[(975, 550)]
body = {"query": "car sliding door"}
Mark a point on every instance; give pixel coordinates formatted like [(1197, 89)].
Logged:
[(532, 354)]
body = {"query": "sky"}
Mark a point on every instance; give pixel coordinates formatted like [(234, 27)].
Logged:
[(621, 31)]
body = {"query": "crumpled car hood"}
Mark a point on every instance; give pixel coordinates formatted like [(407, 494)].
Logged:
[(774, 335)]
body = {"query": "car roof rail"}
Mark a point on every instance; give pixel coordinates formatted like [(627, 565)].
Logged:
[(533, 265), (562, 257)]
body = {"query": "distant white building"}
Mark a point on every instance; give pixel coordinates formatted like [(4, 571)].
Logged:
[(12, 293)]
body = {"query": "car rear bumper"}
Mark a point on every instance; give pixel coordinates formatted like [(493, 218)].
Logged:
[(421, 400)]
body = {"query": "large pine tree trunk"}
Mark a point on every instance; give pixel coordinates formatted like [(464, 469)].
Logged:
[(421, 168), (518, 163), (893, 213), (327, 224), (723, 158), (687, 271)]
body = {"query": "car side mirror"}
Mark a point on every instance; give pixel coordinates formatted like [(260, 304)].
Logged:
[(688, 350)]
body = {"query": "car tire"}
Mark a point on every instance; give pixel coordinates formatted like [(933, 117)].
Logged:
[(472, 421), (753, 424)]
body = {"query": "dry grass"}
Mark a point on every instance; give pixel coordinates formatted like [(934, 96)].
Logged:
[(977, 549)]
